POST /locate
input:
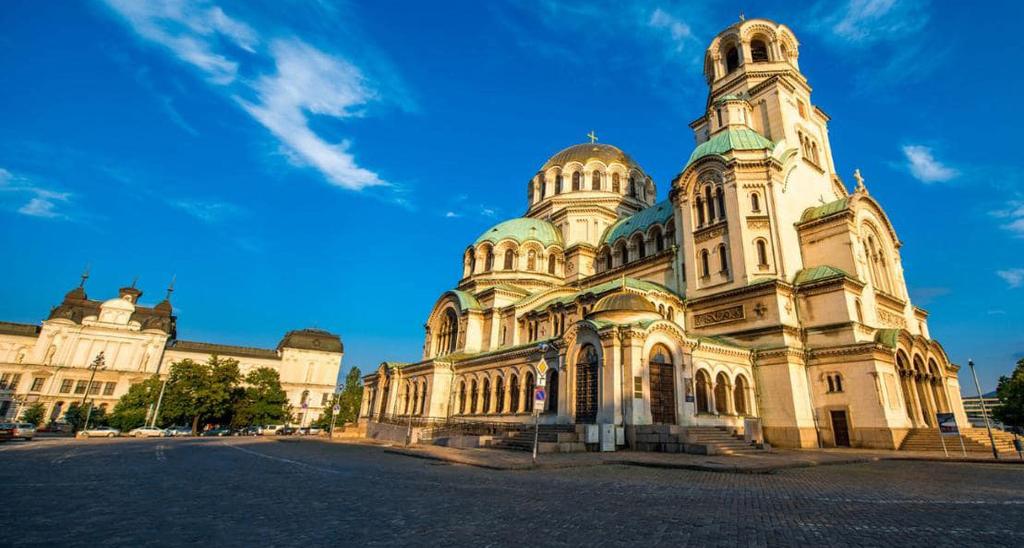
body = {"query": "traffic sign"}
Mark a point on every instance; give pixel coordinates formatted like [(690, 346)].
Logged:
[(542, 380), (539, 394), (542, 366), (337, 408)]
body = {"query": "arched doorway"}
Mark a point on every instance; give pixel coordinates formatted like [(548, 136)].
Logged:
[(586, 385), (663, 391), (528, 394), (462, 397), (551, 405), (473, 394), (721, 394), (513, 387), (487, 396), (739, 396), (703, 392)]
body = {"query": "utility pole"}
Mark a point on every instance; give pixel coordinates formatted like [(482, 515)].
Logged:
[(984, 411), (159, 401), (98, 363)]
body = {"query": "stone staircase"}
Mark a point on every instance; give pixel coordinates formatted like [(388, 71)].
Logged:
[(551, 438), (975, 441), (718, 440)]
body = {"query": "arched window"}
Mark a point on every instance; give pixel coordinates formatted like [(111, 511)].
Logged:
[(661, 310), (509, 258), (705, 267), (587, 385), (720, 199), (623, 253), (531, 260), (762, 253), (608, 260), (595, 181), (718, 116), (576, 181), (659, 240), (616, 187), (513, 387), (448, 338), (473, 398), (859, 310), (671, 314), (462, 398), (632, 187), (543, 187), (415, 397), (758, 51), (814, 152), (408, 394), (839, 383), (723, 259), (489, 260), (755, 202), (699, 205), (641, 247), (785, 52), (530, 385), (739, 396), (551, 264), (558, 184), (710, 200), (732, 59), (831, 386), (471, 259), (487, 397)]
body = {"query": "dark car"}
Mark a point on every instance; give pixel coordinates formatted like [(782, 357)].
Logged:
[(7, 431), (249, 431), (286, 431), (217, 432)]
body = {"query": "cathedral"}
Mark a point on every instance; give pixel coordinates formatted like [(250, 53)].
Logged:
[(763, 297), (97, 349)]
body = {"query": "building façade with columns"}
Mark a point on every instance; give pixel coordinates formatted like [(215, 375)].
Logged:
[(49, 363), (763, 288)]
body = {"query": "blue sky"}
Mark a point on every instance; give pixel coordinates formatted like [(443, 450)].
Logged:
[(324, 164)]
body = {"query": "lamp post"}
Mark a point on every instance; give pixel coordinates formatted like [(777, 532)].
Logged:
[(543, 348), (96, 364), (984, 411)]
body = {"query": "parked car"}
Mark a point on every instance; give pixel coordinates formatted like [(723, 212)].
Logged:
[(249, 431), (100, 432), (24, 430), (147, 432), (286, 431), (217, 432), (270, 429), (310, 431), (6, 431), (177, 431)]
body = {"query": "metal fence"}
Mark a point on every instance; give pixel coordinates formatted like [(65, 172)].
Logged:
[(438, 427)]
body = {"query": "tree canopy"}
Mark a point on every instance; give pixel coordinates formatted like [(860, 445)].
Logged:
[(1010, 391), (262, 401)]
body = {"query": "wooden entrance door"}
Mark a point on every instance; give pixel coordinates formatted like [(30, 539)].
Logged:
[(586, 386), (840, 429), (663, 393)]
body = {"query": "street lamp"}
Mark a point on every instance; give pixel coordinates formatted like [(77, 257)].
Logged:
[(96, 364), (984, 411)]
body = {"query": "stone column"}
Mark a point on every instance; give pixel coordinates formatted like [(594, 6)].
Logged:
[(522, 395)]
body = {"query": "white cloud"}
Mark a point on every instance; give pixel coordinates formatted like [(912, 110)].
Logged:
[(210, 212), (924, 167), (1014, 277), (1013, 214), (451, 215), (43, 202), (192, 30), (678, 30), (307, 81), (866, 22)]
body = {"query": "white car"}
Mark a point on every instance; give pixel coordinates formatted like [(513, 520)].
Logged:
[(270, 430), (177, 431), (100, 432), (147, 432)]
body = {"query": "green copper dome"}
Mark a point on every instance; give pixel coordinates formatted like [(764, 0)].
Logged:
[(521, 230), (729, 140)]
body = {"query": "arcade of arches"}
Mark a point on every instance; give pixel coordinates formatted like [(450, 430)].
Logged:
[(762, 295)]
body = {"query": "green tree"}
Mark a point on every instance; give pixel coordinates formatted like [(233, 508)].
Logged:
[(133, 407), (1010, 392), (262, 401), (200, 392), (351, 397), (324, 420), (76, 414), (34, 414)]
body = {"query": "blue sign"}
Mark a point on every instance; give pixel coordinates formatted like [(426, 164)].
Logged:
[(539, 395)]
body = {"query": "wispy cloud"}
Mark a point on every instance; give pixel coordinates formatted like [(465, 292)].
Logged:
[(925, 167), (461, 205), (1014, 277), (207, 211), (926, 295), (42, 202), (1013, 216), (306, 81), (885, 37)]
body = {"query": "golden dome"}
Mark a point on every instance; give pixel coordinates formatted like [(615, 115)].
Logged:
[(624, 302), (585, 152)]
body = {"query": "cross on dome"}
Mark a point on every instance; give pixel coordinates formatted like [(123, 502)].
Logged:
[(592, 136)]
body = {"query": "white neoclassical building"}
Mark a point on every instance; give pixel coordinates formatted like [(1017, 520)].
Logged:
[(49, 363), (765, 291)]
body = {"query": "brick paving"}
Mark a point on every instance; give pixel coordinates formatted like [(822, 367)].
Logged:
[(255, 492)]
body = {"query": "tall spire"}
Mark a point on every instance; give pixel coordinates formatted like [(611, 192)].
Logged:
[(170, 287)]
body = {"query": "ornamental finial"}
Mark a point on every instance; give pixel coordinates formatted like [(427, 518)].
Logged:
[(85, 276), (860, 181), (592, 136), (170, 287)]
